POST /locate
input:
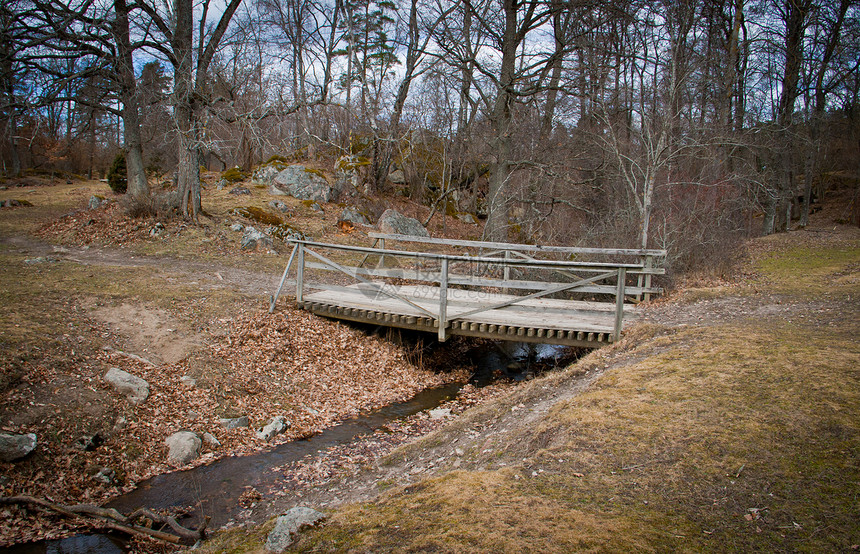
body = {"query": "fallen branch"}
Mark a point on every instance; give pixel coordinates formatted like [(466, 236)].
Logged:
[(108, 518)]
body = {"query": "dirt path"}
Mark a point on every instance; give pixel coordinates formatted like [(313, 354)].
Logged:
[(206, 274)]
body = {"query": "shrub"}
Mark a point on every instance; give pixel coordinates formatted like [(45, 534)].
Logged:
[(234, 175), (117, 175)]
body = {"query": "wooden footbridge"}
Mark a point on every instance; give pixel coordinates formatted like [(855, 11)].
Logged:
[(519, 292)]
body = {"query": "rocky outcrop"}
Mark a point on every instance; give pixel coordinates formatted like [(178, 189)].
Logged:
[(392, 221), (264, 174), (15, 447), (351, 175), (183, 447), (133, 387), (287, 527), (302, 183)]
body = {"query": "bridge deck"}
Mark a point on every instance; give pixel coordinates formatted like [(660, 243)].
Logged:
[(458, 293), (570, 322)]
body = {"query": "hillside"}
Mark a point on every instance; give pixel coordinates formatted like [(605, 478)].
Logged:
[(726, 420)]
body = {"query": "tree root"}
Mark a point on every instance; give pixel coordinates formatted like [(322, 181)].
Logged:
[(138, 523)]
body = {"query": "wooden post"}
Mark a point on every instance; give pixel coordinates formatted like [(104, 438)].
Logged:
[(283, 279), (300, 274), (649, 264), (507, 276), (382, 256), (619, 303), (443, 301)]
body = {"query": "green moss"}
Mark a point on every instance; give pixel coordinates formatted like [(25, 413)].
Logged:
[(284, 232), (351, 163), (258, 215), (234, 175), (277, 159), (316, 172)]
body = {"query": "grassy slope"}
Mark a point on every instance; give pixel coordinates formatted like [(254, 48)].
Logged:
[(736, 436)]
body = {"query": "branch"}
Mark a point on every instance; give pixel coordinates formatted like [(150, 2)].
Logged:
[(108, 518)]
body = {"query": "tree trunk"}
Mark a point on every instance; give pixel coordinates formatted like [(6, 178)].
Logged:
[(188, 171), (500, 119), (138, 188)]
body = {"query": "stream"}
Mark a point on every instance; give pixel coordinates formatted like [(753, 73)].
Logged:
[(215, 489)]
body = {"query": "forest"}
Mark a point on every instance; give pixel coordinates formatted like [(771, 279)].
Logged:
[(684, 125)]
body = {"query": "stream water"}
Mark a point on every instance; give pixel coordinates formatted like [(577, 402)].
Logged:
[(215, 489)]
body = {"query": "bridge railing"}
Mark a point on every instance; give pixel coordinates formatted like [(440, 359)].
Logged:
[(650, 260), (465, 271)]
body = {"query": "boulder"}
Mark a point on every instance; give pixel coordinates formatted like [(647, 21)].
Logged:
[(252, 239), (14, 447), (275, 427), (240, 190), (133, 387), (351, 175), (440, 413), (467, 218), (235, 422), (353, 216), (264, 175), (287, 527), (210, 440), (397, 177), (96, 202), (392, 221), (183, 447), (302, 183)]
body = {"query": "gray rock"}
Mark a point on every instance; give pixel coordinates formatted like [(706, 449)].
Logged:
[(467, 218), (237, 227), (351, 174), (14, 447), (287, 527), (275, 427), (280, 206), (252, 239), (264, 175), (133, 387), (353, 216), (221, 184), (392, 221), (235, 422), (188, 381), (184, 446), (440, 413), (157, 230), (302, 183), (96, 202), (105, 475), (397, 177), (240, 190), (210, 440)]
